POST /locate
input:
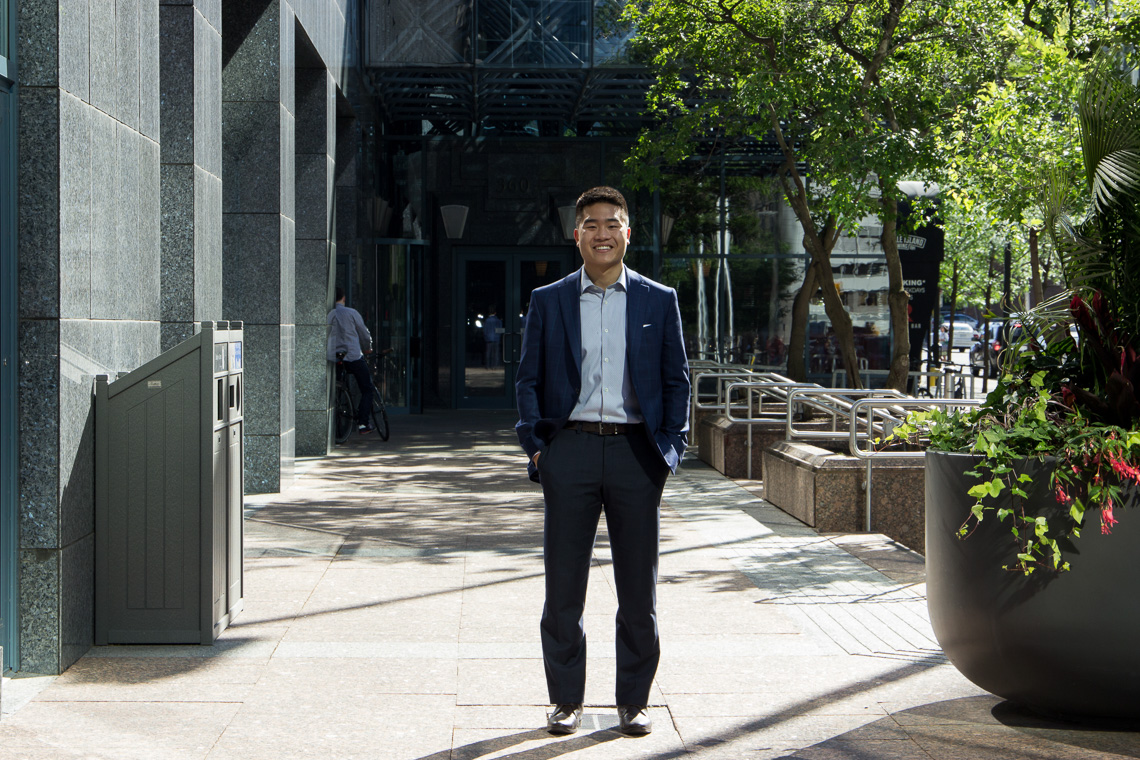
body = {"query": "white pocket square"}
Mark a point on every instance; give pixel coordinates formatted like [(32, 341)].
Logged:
[(648, 325)]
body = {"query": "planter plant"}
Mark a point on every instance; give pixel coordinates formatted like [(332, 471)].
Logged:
[(1032, 573)]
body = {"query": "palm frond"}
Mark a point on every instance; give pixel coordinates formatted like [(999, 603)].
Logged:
[(1109, 116), (1084, 262)]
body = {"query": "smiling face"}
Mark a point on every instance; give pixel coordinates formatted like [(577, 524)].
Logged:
[(602, 236)]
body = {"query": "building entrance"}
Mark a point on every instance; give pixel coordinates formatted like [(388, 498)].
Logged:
[(494, 293)]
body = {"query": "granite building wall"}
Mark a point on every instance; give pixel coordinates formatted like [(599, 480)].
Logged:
[(157, 172)]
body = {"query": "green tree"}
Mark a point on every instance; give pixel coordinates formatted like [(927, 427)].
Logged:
[(1024, 121), (855, 90)]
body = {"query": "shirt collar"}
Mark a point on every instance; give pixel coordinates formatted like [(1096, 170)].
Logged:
[(585, 282)]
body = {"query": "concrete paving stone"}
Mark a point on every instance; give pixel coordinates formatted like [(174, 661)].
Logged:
[(359, 737), (881, 750), (393, 675), (508, 682), (384, 584), (268, 611), (689, 614), (377, 623), (500, 650), (727, 705), (126, 730), (680, 645), (149, 692), (761, 674), (944, 742), (375, 555), (349, 601), (972, 710), (381, 650), (788, 729), (514, 718), (589, 742), (377, 637), (922, 684), (522, 682), (236, 647), (127, 670)]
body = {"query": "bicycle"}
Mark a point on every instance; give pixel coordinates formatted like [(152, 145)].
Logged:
[(346, 403)]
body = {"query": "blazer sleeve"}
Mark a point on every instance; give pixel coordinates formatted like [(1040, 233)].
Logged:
[(528, 378), (674, 387)]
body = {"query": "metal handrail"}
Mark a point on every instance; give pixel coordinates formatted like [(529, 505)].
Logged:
[(778, 389), (838, 402), (870, 405), (721, 376), (776, 386)]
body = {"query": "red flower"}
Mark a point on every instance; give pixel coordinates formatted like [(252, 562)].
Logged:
[(1106, 518)]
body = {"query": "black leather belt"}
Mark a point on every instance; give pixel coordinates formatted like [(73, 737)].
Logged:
[(600, 428)]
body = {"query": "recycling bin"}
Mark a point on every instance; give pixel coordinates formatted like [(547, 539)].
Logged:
[(168, 494)]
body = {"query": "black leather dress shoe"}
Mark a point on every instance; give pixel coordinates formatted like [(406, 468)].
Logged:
[(635, 720), (565, 719)]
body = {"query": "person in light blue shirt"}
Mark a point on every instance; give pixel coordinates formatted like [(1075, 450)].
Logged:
[(349, 341), (603, 395)]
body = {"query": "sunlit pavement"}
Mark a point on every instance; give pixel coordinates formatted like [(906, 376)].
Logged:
[(391, 611)]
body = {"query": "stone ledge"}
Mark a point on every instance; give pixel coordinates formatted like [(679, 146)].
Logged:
[(825, 490), (723, 445)]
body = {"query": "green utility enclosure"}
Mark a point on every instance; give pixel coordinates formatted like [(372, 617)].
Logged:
[(168, 494)]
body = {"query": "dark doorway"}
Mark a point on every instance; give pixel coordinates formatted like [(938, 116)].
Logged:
[(493, 295)]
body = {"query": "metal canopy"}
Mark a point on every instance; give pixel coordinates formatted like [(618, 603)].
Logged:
[(472, 66), (545, 68), (467, 96)]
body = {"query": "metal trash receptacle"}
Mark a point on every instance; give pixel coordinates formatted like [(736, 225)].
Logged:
[(168, 494)]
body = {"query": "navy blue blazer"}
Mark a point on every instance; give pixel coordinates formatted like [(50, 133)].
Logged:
[(549, 377)]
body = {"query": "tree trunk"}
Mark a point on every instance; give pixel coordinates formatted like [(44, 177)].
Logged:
[(797, 341), (840, 320), (1035, 269), (897, 298)]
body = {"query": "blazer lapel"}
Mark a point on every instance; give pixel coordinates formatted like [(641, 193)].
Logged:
[(636, 305), (568, 301)]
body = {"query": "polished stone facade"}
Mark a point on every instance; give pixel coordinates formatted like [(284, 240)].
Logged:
[(159, 173)]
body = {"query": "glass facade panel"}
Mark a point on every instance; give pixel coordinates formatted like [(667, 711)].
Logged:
[(862, 284), (541, 33), (612, 34), (735, 310)]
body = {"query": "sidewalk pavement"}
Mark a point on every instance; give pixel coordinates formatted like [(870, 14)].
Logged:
[(391, 611)]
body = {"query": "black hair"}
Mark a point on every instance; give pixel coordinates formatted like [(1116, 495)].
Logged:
[(602, 194)]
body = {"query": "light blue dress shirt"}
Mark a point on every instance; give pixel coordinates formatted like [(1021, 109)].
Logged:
[(607, 391)]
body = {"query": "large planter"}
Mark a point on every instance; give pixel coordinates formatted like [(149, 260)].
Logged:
[(1064, 644)]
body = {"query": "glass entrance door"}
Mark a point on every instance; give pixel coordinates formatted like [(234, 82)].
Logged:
[(494, 293)]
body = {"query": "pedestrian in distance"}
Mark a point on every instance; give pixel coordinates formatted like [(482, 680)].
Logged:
[(348, 341), (492, 339), (603, 399)]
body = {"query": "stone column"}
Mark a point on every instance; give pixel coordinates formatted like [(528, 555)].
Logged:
[(316, 251), (191, 80), (88, 258), (258, 232)]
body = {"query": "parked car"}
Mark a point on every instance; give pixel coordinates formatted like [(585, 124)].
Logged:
[(992, 344), (964, 336), (960, 317)]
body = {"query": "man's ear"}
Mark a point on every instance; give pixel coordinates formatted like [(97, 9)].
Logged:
[(575, 234), (628, 232)]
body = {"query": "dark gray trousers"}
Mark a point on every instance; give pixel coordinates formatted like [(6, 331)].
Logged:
[(582, 475)]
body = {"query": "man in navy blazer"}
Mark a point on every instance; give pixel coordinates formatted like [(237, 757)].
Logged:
[(603, 399)]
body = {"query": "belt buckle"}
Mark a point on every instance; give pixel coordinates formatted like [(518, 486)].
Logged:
[(607, 428)]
